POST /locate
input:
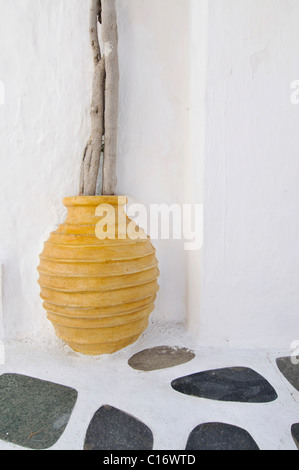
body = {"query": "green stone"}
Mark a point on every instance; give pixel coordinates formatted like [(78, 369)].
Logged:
[(33, 413)]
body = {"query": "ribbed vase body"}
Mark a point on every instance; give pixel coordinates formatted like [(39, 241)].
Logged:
[(98, 291)]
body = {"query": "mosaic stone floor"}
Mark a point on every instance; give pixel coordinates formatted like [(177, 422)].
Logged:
[(165, 392)]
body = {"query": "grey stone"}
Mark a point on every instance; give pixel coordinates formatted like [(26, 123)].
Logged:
[(33, 413), (234, 384), (219, 436), (161, 357), (289, 370), (295, 434), (112, 429)]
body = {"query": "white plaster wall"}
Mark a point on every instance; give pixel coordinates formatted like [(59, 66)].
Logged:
[(46, 67), (250, 265), (153, 125), (231, 144), (194, 163)]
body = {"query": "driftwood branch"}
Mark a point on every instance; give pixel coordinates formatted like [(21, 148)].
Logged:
[(92, 154), (94, 17), (110, 40), (104, 106)]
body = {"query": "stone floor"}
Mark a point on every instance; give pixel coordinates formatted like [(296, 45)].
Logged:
[(165, 392)]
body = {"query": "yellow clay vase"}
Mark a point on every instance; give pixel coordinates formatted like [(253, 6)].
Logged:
[(98, 293)]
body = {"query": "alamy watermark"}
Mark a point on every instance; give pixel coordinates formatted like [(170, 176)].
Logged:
[(159, 222)]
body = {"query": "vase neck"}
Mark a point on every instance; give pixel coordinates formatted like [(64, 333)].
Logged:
[(88, 210)]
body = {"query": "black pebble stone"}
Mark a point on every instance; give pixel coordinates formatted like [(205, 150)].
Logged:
[(112, 429), (219, 436), (289, 370), (234, 384)]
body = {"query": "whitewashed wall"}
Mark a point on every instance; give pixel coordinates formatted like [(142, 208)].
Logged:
[(153, 124), (205, 116), (250, 265), (46, 67)]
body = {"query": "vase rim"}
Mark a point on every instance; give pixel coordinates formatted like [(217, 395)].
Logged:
[(94, 200)]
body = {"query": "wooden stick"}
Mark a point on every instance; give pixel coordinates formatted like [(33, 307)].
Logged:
[(92, 153), (110, 40)]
